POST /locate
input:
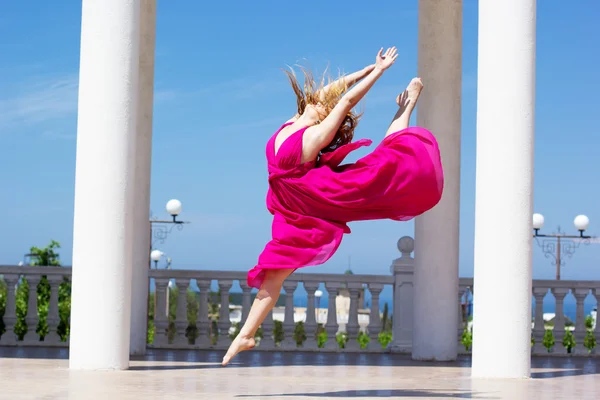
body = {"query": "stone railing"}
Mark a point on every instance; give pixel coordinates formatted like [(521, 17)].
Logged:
[(35, 288), (203, 318), (578, 333)]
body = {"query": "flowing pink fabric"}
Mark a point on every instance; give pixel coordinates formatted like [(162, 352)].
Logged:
[(313, 202)]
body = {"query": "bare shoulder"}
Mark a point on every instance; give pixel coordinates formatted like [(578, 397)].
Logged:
[(293, 119), (311, 144)]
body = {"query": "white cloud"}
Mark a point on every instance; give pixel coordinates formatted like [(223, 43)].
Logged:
[(42, 101)]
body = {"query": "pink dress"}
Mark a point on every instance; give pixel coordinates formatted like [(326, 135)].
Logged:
[(313, 202)]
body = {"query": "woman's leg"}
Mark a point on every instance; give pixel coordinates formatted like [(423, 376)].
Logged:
[(263, 304), (407, 101)]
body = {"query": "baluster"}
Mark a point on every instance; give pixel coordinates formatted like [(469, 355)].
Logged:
[(181, 319), (352, 327), (268, 341), (580, 330), (596, 328), (462, 322), (32, 310), (53, 316), (161, 319), (374, 327), (559, 319), (289, 325), (331, 326), (10, 313), (224, 322), (539, 328), (203, 339), (246, 300), (310, 326)]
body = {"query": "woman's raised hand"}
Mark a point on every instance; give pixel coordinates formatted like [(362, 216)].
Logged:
[(384, 61)]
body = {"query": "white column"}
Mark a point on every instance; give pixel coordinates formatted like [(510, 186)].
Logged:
[(504, 192), (141, 240), (436, 232), (104, 185)]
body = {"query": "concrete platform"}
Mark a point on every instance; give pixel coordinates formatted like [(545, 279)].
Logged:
[(30, 373)]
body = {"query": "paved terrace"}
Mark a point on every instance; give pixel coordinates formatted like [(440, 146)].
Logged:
[(39, 373)]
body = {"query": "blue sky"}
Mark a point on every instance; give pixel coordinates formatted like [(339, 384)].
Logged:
[(220, 95)]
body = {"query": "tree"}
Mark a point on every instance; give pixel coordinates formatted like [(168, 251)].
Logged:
[(47, 256)]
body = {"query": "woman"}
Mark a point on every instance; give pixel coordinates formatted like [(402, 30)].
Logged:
[(312, 197)]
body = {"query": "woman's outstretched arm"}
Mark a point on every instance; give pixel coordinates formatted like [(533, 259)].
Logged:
[(348, 80), (319, 136)]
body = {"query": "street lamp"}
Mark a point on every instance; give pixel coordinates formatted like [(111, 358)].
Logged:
[(159, 228), (556, 244)]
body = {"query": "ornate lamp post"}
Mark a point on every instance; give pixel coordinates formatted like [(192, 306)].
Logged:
[(557, 245), (160, 229)]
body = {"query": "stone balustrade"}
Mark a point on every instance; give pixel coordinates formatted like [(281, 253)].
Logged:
[(40, 290), (190, 309)]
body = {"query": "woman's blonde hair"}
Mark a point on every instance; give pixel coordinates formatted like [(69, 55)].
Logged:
[(310, 94)]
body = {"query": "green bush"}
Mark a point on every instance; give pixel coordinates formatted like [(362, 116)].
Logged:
[(467, 338), (589, 322), (385, 338), (548, 340), (590, 341), (321, 336), (299, 333), (569, 341)]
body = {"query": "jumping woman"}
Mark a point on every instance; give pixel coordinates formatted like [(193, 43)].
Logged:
[(313, 197)]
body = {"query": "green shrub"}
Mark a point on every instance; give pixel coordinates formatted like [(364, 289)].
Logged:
[(385, 338), (589, 322), (548, 340), (467, 338), (590, 341)]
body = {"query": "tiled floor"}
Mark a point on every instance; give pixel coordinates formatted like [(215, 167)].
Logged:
[(44, 374)]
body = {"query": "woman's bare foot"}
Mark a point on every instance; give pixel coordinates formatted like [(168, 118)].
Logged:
[(238, 345), (408, 99)]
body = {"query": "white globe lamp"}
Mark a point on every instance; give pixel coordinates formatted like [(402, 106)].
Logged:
[(155, 256), (174, 208), (581, 223), (538, 222)]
